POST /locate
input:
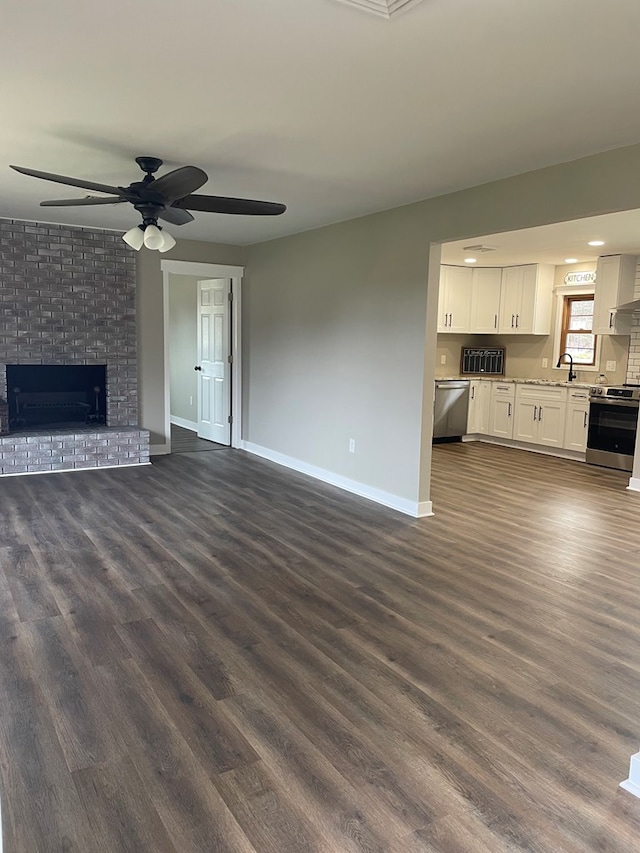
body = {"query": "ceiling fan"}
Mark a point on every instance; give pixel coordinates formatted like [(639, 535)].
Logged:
[(169, 197)]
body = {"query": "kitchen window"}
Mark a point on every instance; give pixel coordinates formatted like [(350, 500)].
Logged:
[(576, 336)]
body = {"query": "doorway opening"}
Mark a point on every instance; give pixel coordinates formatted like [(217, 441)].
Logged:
[(202, 356)]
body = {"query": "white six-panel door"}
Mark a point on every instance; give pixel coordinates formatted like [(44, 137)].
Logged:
[(214, 369)]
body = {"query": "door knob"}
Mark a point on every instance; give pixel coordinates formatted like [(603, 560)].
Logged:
[(197, 367)]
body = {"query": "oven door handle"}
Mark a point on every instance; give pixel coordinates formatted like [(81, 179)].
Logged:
[(629, 404)]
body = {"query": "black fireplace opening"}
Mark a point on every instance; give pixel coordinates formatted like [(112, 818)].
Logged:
[(56, 395)]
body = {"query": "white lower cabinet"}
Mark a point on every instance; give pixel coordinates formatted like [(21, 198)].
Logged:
[(540, 415), (479, 405), (577, 420), (501, 409)]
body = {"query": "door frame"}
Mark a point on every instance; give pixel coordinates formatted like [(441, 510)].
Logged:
[(204, 271)]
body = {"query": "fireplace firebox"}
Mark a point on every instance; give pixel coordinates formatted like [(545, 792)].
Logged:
[(56, 396)]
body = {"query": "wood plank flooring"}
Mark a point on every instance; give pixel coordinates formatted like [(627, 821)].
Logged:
[(216, 654), (187, 441)]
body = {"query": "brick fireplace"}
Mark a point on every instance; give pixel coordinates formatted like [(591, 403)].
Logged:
[(67, 297)]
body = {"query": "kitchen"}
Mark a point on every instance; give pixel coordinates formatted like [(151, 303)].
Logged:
[(521, 312)]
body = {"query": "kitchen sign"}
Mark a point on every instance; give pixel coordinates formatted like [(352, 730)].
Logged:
[(584, 277)]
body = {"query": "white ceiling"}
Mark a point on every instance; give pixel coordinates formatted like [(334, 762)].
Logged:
[(309, 102), (553, 244)]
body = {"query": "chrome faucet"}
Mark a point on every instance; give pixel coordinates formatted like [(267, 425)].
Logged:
[(572, 375)]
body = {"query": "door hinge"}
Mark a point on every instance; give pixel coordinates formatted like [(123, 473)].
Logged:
[(230, 359), (230, 419), (230, 296)]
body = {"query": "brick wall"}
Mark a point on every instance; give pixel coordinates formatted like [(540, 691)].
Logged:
[(67, 296)]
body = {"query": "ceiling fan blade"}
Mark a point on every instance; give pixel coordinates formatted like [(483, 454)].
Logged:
[(179, 183), (175, 216), (71, 202), (72, 182), (222, 204)]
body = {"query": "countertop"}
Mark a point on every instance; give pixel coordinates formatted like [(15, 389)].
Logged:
[(552, 382)]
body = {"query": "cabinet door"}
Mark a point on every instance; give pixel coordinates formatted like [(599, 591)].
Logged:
[(526, 309), (576, 426), (615, 283), (474, 407), (510, 299), (486, 284), (501, 420), (458, 299), (443, 315), (484, 407), (551, 417), (525, 422), (479, 394)]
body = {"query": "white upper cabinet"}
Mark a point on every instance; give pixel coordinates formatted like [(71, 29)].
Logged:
[(486, 285), (454, 302), (615, 284), (490, 300), (526, 298)]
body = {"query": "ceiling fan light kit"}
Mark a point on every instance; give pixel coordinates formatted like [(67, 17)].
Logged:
[(168, 197)]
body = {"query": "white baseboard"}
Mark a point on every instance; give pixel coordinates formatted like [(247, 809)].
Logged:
[(561, 452), (414, 509), (183, 422), (632, 784), (634, 484), (159, 449)]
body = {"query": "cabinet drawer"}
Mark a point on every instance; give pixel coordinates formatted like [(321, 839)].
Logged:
[(579, 396), (543, 393), (503, 389)]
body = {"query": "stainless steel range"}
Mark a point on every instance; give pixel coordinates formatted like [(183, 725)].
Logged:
[(613, 422)]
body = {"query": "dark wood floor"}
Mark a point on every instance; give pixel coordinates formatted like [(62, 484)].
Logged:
[(215, 654), (187, 441)]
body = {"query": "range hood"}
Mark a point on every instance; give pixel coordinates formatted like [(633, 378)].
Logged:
[(628, 307)]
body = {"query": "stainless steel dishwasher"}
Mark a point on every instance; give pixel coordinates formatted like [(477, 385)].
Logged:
[(450, 409)]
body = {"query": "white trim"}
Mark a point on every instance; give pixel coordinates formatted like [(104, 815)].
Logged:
[(196, 270), (572, 290), (74, 471), (160, 449), (560, 452), (377, 495), (204, 270), (183, 422), (632, 784), (634, 484)]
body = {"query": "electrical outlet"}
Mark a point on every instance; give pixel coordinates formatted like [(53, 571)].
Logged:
[(611, 365), (191, 401), (545, 362), (352, 445), (443, 359)]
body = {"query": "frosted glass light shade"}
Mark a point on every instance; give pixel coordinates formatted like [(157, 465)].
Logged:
[(134, 238), (169, 242), (153, 238)]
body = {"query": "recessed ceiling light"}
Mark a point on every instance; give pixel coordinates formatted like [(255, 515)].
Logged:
[(470, 260), (595, 243), (571, 260)]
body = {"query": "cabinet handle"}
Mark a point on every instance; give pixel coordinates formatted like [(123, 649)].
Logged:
[(610, 319), (509, 415), (450, 320), (535, 413), (517, 320), (540, 414), (473, 393), (513, 318), (585, 421), (495, 321)]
